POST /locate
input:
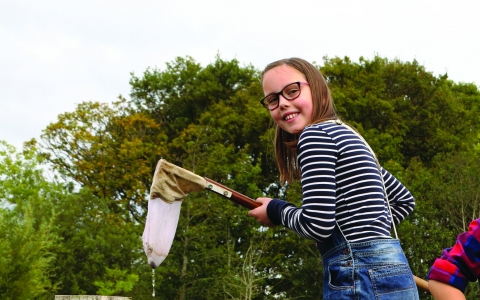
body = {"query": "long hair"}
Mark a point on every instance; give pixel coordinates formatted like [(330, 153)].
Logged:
[(323, 109)]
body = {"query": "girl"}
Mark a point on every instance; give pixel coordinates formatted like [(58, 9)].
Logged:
[(344, 207)]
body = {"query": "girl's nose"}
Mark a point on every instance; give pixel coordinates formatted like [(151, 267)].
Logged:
[(282, 101)]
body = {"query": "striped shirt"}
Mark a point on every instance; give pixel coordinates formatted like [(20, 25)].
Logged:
[(341, 183)]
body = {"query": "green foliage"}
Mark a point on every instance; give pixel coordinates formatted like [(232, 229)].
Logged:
[(207, 119), (27, 238), (116, 281), (94, 238), (403, 110), (27, 255), (110, 150)]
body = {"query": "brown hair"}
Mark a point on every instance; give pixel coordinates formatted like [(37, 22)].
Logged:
[(323, 109)]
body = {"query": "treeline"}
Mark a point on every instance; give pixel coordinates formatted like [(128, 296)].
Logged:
[(79, 231)]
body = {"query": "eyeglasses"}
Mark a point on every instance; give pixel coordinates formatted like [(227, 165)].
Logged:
[(290, 92)]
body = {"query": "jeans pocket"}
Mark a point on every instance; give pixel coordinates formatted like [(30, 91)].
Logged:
[(340, 274), (393, 282)]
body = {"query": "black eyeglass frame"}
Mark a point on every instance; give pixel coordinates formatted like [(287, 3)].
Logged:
[(284, 96)]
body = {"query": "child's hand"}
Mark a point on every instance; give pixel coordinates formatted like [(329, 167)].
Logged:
[(260, 213)]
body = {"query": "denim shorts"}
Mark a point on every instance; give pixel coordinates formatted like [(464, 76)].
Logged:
[(375, 269)]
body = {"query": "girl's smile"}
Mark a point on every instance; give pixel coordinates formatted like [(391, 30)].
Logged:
[(291, 115)]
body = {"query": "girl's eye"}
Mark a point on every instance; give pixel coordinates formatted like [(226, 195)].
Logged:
[(271, 100), (292, 91)]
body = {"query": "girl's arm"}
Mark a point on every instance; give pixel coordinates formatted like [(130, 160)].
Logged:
[(400, 199), (315, 219)]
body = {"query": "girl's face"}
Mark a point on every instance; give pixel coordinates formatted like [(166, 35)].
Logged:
[(291, 115)]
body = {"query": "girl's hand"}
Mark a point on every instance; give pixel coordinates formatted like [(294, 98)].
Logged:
[(260, 213)]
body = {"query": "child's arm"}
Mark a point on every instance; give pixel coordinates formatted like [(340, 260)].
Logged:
[(461, 263), (443, 291), (400, 199), (315, 218)]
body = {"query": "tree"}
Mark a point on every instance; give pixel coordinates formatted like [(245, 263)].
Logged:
[(403, 110), (27, 237), (94, 239), (116, 281), (222, 95), (110, 150), (208, 120), (54, 238)]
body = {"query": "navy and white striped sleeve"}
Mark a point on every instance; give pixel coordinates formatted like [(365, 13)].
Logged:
[(401, 200), (315, 219)]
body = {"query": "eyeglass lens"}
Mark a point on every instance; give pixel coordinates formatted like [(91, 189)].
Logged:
[(289, 92)]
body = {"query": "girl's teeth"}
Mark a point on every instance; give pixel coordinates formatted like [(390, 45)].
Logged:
[(290, 117)]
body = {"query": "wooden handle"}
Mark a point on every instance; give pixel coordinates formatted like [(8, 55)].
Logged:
[(423, 284), (233, 195)]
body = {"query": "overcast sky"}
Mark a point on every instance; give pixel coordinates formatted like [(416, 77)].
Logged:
[(56, 54)]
